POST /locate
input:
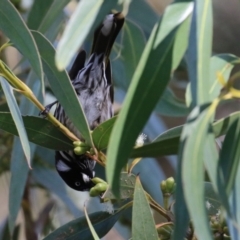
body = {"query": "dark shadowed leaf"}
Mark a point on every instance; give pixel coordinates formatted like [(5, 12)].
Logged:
[(78, 228), (39, 131)]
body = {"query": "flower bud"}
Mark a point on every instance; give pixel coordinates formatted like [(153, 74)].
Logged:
[(101, 187), (97, 180), (93, 192), (163, 186), (79, 150), (170, 185)]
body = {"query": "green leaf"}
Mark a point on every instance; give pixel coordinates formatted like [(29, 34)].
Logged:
[(127, 184), (86, 13), (43, 14), (101, 133), (19, 174), (143, 226), (229, 162), (199, 51), (181, 42), (191, 153), (14, 27), (19, 169), (17, 118), (37, 13), (133, 42), (78, 228), (167, 143), (39, 131), (155, 64), (62, 87)]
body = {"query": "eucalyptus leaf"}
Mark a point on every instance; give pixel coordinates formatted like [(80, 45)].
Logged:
[(62, 87), (127, 184), (136, 109), (16, 30), (78, 228), (17, 118), (86, 13), (199, 52), (101, 133), (39, 131), (143, 225), (191, 154)]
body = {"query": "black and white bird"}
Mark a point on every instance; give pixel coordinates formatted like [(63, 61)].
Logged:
[(92, 82)]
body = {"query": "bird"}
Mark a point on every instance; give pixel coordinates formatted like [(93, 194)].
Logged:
[(92, 81)]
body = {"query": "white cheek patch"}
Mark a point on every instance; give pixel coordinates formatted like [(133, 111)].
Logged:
[(93, 173), (85, 177), (62, 167)]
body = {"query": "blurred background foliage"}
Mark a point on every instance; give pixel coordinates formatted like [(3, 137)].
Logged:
[(47, 202)]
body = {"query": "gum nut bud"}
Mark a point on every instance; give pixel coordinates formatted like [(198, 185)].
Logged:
[(163, 186), (170, 184), (97, 180), (101, 187), (79, 150), (76, 143), (93, 192)]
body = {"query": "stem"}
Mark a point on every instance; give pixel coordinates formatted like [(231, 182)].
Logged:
[(158, 208), (25, 90), (165, 200)]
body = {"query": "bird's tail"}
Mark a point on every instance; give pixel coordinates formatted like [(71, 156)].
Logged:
[(106, 34)]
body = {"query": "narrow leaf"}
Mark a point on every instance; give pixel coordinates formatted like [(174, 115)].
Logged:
[(199, 51), (143, 226), (79, 26), (14, 109), (20, 35), (136, 110), (39, 131), (62, 87), (101, 134), (127, 184), (191, 153), (168, 142), (78, 228)]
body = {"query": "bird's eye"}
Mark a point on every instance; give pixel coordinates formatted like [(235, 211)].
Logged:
[(77, 184)]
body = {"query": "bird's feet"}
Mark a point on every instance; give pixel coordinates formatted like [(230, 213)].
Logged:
[(47, 109)]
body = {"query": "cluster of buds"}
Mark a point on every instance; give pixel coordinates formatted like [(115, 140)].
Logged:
[(219, 228), (168, 186), (80, 147), (100, 187)]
